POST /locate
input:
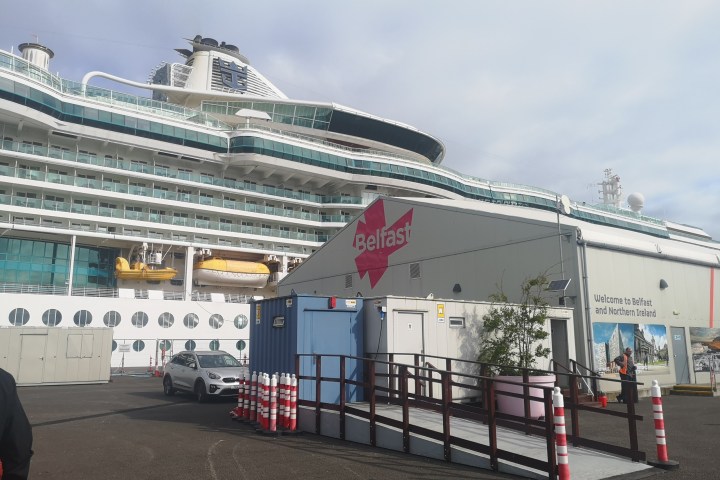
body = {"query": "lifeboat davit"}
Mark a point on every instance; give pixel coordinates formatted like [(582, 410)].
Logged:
[(141, 271), (230, 273)]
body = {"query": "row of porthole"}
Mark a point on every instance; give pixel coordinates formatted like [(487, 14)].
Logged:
[(139, 345), (82, 318)]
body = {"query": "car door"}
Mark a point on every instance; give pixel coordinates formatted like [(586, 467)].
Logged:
[(179, 370)]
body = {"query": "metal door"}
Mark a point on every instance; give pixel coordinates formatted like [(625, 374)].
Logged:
[(328, 333), (560, 353), (680, 357), (32, 358)]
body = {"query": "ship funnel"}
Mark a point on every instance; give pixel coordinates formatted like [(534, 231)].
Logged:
[(36, 54)]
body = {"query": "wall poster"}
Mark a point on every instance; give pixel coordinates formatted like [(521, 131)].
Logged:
[(705, 347), (647, 341)]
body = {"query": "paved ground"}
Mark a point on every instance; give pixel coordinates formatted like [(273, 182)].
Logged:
[(128, 429)]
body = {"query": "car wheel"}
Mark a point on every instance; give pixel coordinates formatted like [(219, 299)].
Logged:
[(200, 392), (168, 386)]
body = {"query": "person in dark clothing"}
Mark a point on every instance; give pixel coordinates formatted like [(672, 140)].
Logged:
[(15, 432)]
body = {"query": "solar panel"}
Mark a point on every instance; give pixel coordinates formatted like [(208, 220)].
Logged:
[(558, 285)]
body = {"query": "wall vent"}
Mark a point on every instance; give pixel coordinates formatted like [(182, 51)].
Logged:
[(415, 270), (348, 281)]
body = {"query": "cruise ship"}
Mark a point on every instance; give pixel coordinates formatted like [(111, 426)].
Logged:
[(163, 215)]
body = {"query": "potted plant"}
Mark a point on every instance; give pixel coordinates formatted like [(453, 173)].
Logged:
[(512, 339)]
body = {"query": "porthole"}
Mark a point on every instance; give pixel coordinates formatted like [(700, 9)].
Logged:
[(165, 345), (241, 321), (216, 320), (82, 318), (114, 345), (52, 317), (191, 320), (166, 320), (112, 319), (19, 317), (190, 345), (241, 344), (139, 319), (215, 345), (138, 345)]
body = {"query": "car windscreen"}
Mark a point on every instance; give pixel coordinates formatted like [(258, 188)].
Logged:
[(217, 361)]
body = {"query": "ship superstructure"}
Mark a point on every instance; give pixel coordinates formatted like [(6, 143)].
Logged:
[(162, 216)]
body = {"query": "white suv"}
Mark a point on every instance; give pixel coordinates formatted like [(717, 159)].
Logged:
[(206, 374)]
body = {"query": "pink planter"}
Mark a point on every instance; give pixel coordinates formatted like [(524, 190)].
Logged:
[(516, 406)]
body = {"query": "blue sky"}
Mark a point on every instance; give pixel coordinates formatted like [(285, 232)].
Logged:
[(545, 93)]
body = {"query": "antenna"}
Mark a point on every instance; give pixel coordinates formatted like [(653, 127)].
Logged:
[(611, 190)]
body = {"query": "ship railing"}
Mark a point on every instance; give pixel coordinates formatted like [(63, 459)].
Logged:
[(62, 290), (33, 289), (127, 101)]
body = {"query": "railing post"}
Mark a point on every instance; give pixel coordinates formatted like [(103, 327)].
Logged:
[(526, 399), (484, 393), (392, 379), (405, 408), (574, 413), (632, 424), (371, 378), (417, 377), (492, 423), (318, 373), (342, 397), (446, 399)]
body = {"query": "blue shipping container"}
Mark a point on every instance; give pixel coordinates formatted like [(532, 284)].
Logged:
[(282, 327)]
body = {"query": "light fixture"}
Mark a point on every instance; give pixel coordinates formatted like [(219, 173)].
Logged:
[(663, 284), (457, 288)]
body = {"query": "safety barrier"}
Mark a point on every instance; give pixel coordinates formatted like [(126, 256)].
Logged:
[(269, 405), (563, 467), (663, 461)]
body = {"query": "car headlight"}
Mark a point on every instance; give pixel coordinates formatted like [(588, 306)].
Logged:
[(214, 376)]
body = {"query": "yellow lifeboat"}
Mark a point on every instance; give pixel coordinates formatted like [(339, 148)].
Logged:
[(140, 271), (230, 273)]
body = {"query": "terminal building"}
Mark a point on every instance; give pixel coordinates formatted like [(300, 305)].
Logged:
[(652, 292)]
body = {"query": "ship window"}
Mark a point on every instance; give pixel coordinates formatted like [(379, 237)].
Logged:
[(166, 320), (82, 318), (190, 345), (241, 321), (112, 319), (51, 317), (241, 345), (165, 345), (139, 319), (138, 345), (216, 321), (191, 321), (215, 345), (114, 345), (19, 317)]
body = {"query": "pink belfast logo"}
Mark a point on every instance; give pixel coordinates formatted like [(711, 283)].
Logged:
[(375, 241)]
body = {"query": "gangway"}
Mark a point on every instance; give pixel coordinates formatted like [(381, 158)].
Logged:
[(451, 414)]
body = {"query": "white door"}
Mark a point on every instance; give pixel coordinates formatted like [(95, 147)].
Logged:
[(32, 359), (408, 337)]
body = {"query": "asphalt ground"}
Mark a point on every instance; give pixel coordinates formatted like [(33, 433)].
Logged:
[(127, 429)]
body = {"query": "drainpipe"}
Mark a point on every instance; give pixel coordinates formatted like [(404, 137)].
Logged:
[(586, 294)]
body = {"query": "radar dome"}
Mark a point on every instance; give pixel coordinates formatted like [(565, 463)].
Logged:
[(636, 201)]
